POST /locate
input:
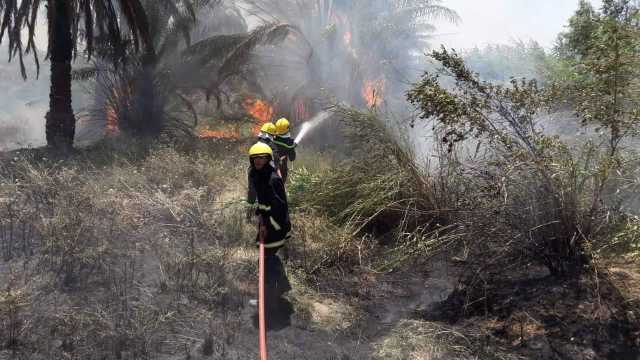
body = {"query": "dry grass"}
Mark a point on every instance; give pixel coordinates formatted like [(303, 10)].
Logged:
[(322, 311), (421, 340), (133, 252), (139, 233)]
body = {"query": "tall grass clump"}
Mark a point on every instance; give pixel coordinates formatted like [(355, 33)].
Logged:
[(378, 195)]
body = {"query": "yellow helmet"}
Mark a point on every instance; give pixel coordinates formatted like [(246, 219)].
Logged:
[(268, 128), (282, 126), (260, 148)]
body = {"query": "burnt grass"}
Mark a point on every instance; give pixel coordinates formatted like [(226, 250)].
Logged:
[(527, 312), (539, 316)]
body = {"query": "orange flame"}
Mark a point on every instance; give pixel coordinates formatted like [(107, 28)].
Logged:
[(259, 110), (347, 38), (207, 133), (119, 95), (300, 110), (111, 128), (373, 91)]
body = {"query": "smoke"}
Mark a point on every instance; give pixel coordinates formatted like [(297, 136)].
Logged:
[(23, 105), (342, 48), (361, 54), (502, 21)]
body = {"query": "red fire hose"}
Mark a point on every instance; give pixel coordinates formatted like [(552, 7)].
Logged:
[(261, 319)]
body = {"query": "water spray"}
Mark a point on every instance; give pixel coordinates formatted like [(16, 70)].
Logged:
[(308, 125)]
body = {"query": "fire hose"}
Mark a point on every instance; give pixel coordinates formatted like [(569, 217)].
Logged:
[(261, 319)]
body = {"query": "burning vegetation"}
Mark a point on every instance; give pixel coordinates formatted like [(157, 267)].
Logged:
[(373, 91), (260, 110)]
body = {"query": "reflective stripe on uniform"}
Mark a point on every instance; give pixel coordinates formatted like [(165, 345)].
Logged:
[(274, 223), (284, 145), (274, 244)]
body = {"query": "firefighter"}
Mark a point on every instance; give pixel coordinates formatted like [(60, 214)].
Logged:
[(266, 135), (286, 147), (274, 226)]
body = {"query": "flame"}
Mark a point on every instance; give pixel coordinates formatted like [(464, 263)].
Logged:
[(207, 133), (347, 38), (373, 91), (119, 95), (111, 128), (300, 110), (259, 110)]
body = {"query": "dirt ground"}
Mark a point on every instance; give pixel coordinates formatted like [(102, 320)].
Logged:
[(539, 317)]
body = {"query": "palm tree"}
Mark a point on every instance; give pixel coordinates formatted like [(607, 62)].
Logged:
[(353, 42), (71, 22), (143, 99)]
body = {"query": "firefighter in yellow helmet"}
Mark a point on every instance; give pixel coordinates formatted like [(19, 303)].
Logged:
[(274, 226), (266, 135), (285, 145)]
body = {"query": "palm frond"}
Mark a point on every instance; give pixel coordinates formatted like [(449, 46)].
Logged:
[(213, 48), (268, 34), (136, 18), (189, 106), (429, 12), (17, 15), (85, 73)]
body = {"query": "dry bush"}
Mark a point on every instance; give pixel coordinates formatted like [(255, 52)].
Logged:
[(316, 244), (626, 241), (323, 311), (199, 273), (17, 217), (73, 248), (543, 202), (420, 340), (131, 328), (13, 304), (233, 224)]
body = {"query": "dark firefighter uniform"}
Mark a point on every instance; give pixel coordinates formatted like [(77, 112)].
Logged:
[(266, 136), (273, 211), (286, 147)]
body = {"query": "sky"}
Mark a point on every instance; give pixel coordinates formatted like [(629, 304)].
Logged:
[(501, 21)]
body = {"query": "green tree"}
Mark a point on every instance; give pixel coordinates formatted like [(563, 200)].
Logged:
[(544, 207), (577, 40), (70, 22), (603, 85), (500, 62)]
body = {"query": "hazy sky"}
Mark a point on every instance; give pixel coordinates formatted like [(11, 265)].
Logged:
[(500, 21)]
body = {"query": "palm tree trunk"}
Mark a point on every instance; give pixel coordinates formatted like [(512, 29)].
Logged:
[(61, 123)]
